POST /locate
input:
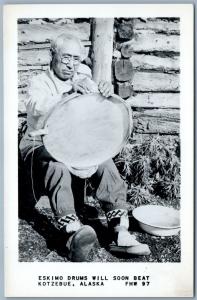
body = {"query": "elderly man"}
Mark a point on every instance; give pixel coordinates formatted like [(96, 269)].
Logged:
[(65, 76)]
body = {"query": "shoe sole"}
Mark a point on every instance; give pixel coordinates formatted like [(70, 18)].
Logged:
[(141, 249), (82, 243)]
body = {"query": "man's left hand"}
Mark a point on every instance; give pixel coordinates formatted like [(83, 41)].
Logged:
[(105, 88)]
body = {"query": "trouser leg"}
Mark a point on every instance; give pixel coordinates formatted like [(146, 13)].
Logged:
[(111, 189), (112, 193), (58, 187), (53, 179)]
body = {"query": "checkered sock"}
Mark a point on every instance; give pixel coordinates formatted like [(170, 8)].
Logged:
[(118, 222), (70, 223)]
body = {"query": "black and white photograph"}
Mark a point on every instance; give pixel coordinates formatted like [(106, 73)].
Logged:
[(69, 70), (99, 151)]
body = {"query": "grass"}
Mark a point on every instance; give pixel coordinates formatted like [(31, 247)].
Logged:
[(38, 242)]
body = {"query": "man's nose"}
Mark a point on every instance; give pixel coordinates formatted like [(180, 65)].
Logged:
[(70, 63)]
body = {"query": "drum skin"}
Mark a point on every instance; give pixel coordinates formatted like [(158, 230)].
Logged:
[(87, 130)]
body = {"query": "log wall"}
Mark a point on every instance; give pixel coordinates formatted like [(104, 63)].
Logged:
[(152, 48)]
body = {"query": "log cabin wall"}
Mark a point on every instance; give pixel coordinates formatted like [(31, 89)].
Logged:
[(146, 65)]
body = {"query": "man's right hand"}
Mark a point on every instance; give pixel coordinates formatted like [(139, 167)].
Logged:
[(85, 86)]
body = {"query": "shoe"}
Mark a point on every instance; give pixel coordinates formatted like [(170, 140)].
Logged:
[(141, 249), (80, 244), (123, 241)]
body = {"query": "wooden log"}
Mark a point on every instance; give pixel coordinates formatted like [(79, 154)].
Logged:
[(139, 61), (123, 70), (21, 104), (46, 32), (152, 62), (139, 138), (25, 73), (126, 50), (125, 31), (142, 81), (22, 93), (34, 57), (154, 121), (155, 100), (22, 96), (23, 77), (148, 41), (37, 56), (116, 54), (124, 89), (157, 82), (160, 121), (166, 114), (27, 68), (45, 45), (45, 21), (158, 25), (102, 46)]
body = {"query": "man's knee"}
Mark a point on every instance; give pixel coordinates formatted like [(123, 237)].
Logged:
[(110, 176), (107, 165), (59, 170)]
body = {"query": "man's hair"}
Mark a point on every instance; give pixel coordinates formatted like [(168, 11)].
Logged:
[(64, 38)]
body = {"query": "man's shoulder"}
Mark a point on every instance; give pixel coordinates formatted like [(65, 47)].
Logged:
[(84, 70), (40, 78)]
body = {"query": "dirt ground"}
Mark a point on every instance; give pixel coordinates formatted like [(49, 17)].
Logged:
[(40, 241)]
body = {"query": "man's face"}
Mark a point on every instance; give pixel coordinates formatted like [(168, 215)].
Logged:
[(66, 60)]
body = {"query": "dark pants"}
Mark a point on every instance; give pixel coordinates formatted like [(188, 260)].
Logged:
[(53, 179)]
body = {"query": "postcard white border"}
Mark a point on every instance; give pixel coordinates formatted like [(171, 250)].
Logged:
[(167, 279)]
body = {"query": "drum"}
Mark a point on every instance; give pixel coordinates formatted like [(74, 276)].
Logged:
[(87, 130)]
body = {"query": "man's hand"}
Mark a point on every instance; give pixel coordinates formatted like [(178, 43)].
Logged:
[(34, 133), (85, 86), (105, 88)]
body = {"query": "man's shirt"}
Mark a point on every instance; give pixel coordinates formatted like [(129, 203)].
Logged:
[(45, 91)]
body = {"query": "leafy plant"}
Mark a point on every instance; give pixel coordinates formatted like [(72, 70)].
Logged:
[(152, 170)]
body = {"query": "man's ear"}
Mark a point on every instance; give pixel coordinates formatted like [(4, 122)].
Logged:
[(52, 53)]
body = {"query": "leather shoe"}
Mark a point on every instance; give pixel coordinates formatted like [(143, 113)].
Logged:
[(80, 244)]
